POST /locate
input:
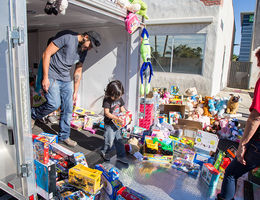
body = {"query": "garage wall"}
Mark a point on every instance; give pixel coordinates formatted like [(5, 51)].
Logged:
[(111, 62)]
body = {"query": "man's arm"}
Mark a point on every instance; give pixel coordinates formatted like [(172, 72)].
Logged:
[(50, 50), (250, 129), (77, 77)]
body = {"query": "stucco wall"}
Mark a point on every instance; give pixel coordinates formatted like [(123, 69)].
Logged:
[(209, 83)]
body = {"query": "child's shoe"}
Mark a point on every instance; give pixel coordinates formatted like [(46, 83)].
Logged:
[(122, 160), (104, 156)]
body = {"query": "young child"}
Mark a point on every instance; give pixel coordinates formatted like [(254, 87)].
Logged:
[(113, 104)]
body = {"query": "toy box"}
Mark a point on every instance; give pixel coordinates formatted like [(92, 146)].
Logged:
[(201, 158), (45, 179), (88, 124), (156, 149), (56, 148), (85, 178), (206, 142), (188, 155), (50, 137), (210, 174), (79, 111), (125, 193), (41, 149), (110, 181), (148, 110), (125, 117), (79, 158), (173, 117), (186, 166), (79, 195), (77, 124), (167, 108)]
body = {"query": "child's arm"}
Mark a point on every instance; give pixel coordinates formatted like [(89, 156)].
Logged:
[(111, 116)]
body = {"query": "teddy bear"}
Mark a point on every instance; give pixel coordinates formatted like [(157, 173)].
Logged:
[(132, 146), (130, 6), (206, 106), (224, 132), (234, 129), (143, 10), (232, 105), (56, 6), (221, 106)]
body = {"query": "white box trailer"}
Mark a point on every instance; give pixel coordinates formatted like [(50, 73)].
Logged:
[(24, 30)]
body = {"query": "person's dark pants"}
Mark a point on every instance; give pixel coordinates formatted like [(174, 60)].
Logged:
[(236, 170), (113, 136)]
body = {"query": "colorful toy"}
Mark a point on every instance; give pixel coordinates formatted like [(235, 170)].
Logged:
[(125, 193), (79, 158), (175, 90), (186, 166), (79, 195), (85, 178), (132, 7), (219, 159), (221, 106), (167, 149), (234, 129), (206, 142), (111, 174), (201, 158), (58, 149), (210, 174), (41, 149), (143, 9), (212, 109), (206, 107), (45, 179), (126, 117), (146, 56), (50, 137), (77, 124), (131, 23), (225, 131)]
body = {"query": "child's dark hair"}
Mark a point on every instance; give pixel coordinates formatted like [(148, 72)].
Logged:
[(114, 89)]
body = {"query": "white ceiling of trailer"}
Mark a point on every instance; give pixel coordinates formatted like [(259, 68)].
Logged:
[(75, 17)]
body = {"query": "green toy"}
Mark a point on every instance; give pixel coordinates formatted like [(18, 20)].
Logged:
[(143, 9), (146, 56), (166, 149), (219, 159)]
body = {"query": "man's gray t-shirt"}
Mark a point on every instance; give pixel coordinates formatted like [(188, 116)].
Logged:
[(67, 55)]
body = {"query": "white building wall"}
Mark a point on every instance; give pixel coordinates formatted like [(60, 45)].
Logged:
[(188, 18)]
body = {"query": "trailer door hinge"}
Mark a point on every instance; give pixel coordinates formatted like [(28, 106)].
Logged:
[(25, 170), (17, 36)]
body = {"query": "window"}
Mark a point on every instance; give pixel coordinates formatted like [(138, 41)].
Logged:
[(178, 54)]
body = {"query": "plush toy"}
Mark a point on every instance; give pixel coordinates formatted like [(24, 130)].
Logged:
[(132, 7), (166, 96), (206, 106), (212, 109), (225, 131), (234, 129), (232, 105), (146, 56), (143, 7), (221, 106), (56, 6)]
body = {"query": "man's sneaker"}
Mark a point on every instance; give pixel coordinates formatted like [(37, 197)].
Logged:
[(52, 119), (122, 160), (104, 156), (32, 123), (70, 142)]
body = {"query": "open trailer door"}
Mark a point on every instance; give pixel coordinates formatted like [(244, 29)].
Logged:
[(16, 151)]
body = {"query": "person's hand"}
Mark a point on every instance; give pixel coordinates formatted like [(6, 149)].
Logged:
[(75, 97), (120, 121), (240, 154), (45, 84)]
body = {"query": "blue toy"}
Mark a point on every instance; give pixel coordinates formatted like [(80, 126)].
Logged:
[(146, 56), (211, 104), (221, 106)]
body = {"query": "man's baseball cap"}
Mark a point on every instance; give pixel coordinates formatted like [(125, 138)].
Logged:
[(94, 38)]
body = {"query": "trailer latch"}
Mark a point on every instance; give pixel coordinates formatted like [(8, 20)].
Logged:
[(17, 36), (25, 171)]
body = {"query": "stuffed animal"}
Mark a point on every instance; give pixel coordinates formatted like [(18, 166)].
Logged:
[(212, 109), (143, 9), (221, 106), (133, 146), (56, 6), (146, 56), (132, 7), (232, 105), (234, 129), (225, 131), (206, 106)]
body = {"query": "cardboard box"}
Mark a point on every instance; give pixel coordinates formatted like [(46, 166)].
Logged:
[(125, 193), (45, 179), (79, 158), (206, 142), (85, 178), (186, 166), (166, 108), (41, 149), (126, 117), (50, 137), (58, 149), (210, 174), (79, 195), (201, 158), (190, 124)]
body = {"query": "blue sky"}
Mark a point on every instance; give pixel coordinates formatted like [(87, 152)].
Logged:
[(241, 6)]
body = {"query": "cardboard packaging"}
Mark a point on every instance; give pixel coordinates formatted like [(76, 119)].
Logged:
[(58, 149), (79, 158), (201, 158), (125, 193), (126, 117), (210, 174), (41, 149), (50, 137), (85, 178), (45, 179)]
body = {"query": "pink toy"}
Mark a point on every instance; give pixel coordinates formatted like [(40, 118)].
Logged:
[(225, 131), (131, 23)]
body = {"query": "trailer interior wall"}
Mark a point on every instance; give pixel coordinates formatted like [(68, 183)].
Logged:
[(117, 57)]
